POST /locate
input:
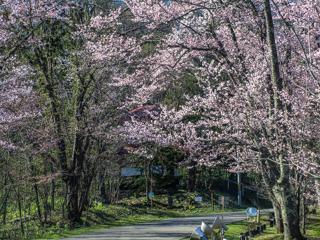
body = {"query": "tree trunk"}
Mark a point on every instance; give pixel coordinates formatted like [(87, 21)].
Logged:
[(274, 60), (192, 176), (212, 199), (76, 200), (73, 211), (278, 217), (303, 214), (172, 185), (63, 206), (170, 199), (52, 189), (52, 194), (20, 211), (3, 208), (84, 192), (76, 197), (283, 189), (289, 212), (102, 189), (317, 182), (46, 206), (148, 181), (35, 187)]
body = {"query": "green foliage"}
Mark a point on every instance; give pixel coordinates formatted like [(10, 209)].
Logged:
[(188, 200), (186, 85), (191, 118), (98, 206), (169, 156), (235, 229), (148, 48)]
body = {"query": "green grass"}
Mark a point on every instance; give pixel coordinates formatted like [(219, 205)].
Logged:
[(235, 229), (270, 234), (313, 228), (122, 215), (145, 215), (122, 221), (127, 212), (312, 233)]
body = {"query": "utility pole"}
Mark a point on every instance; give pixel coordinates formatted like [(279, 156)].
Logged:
[(239, 188)]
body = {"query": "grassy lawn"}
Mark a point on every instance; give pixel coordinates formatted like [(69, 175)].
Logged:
[(127, 212), (113, 216), (313, 230), (235, 229)]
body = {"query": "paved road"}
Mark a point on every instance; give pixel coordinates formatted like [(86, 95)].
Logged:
[(172, 229)]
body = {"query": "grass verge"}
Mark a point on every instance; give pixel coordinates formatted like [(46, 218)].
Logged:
[(130, 212), (312, 230)]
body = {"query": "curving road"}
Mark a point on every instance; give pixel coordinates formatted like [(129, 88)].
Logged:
[(172, 229)]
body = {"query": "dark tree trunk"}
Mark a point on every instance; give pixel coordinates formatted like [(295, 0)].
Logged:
[(74, 180), (36, 191), (102, 189), (290, 212), (283, 189), (172, 187), (73, 210), (46, 206), (303, 214), (63, 206), (85, 189), (278, 217), (192, 176), (212, 199), (20, 211), (3, 208), (52, 189)]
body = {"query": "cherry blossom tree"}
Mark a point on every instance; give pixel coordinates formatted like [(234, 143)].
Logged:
[(257, 62), (74, 53), (72, 67)]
